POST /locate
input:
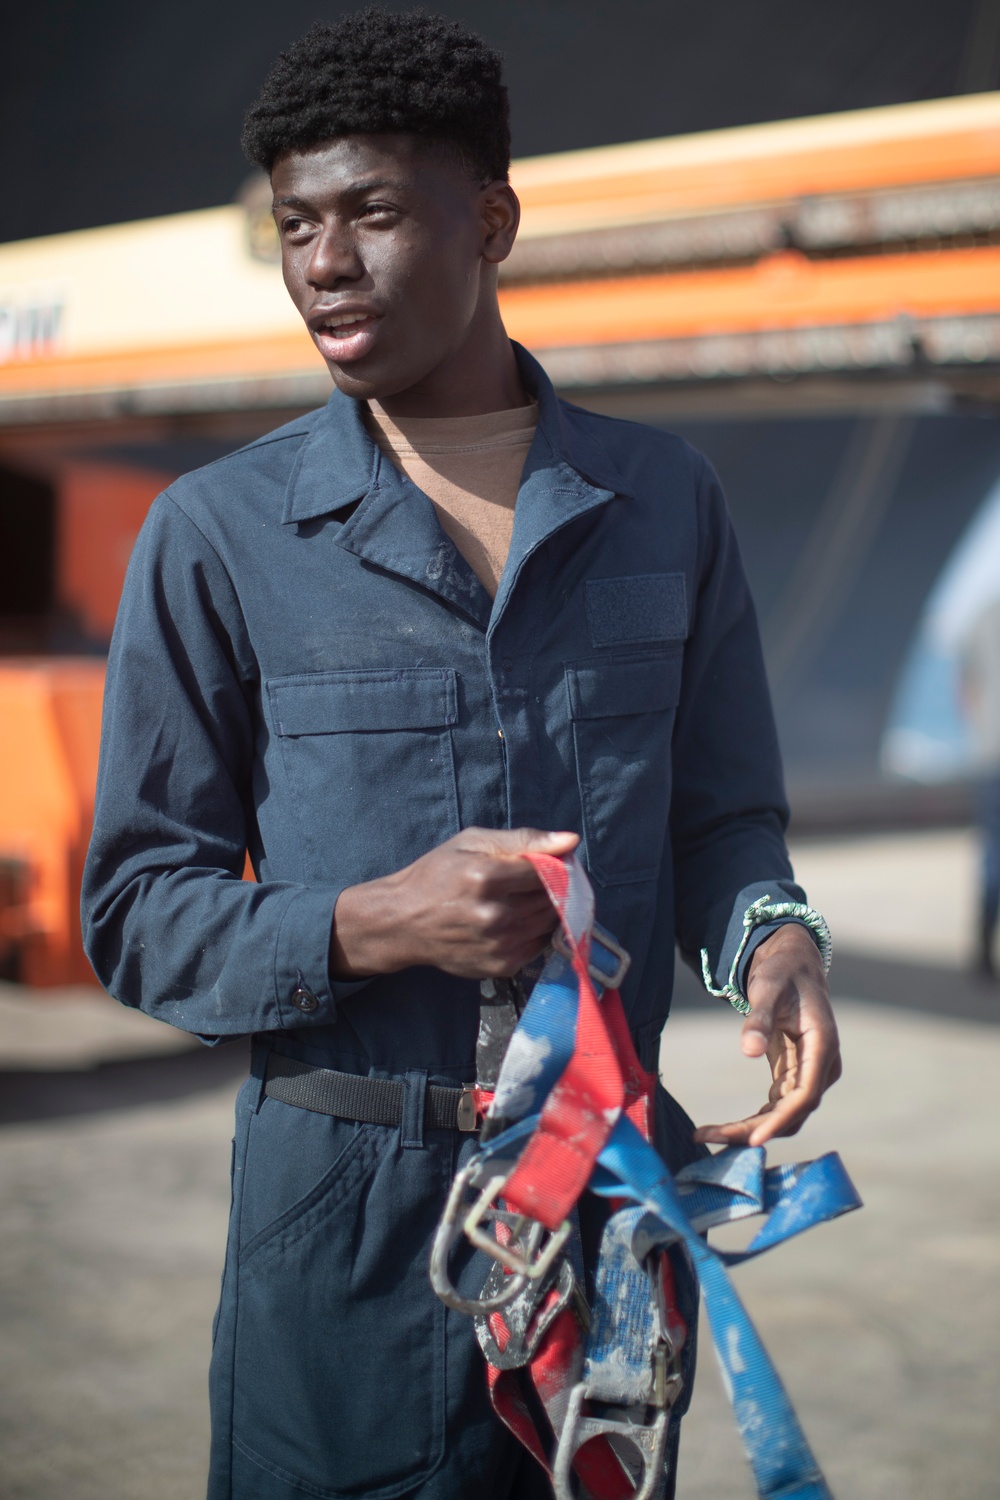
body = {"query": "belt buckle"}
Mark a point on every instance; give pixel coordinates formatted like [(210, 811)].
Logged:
[(467, 1116)]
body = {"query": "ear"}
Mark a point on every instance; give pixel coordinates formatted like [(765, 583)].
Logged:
[(500, 215)]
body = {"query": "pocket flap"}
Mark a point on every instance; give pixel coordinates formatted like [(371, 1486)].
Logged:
[(603, 689), (352, 701)]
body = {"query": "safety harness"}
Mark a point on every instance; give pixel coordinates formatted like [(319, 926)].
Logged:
[(587, 1385)]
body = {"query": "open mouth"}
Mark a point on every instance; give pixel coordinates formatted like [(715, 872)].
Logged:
[(345, 336)]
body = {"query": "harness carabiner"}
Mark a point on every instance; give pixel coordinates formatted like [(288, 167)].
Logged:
[(524, 1255)]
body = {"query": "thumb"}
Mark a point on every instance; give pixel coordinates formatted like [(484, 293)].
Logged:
[(757, 1031)]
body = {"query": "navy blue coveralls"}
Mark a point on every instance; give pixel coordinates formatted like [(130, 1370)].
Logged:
[(305, 667)]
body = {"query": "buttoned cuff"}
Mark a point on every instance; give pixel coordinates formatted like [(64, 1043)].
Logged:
[(303, 990)]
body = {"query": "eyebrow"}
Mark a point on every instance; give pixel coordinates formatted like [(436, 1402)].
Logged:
[(355, 189)]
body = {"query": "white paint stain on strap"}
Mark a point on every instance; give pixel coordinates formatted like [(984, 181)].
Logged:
[(525, 1058)]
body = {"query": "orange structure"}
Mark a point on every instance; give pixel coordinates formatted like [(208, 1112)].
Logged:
[(50, 718), (854, 258)]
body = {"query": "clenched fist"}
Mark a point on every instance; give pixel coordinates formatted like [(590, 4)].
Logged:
[(471, 907)]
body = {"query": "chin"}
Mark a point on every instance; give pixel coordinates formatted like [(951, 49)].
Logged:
[(379, 380), (355, 384), (362, 385)]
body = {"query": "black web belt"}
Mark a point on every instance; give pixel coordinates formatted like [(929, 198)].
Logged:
[(372, 1101)]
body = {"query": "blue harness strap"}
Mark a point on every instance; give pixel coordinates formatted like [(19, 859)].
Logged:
[(782, 1462), (629, 1375)]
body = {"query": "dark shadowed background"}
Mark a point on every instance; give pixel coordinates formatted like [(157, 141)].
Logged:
[(117, 110)]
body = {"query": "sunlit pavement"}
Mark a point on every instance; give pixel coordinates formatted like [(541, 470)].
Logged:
[(114, 1190), (883, 1324)]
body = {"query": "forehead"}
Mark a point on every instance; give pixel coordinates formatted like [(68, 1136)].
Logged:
[(353, 163)]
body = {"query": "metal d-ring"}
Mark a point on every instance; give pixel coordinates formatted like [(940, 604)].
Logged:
[(523, 1268), (445, 1236), (532, 1266), (623, 960)]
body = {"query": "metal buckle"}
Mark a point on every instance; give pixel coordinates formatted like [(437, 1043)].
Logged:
[(467, 1115), (606, 981), (535, 1261), (445, 1236), (649, 1440), (526, 1258), (667, 1380)]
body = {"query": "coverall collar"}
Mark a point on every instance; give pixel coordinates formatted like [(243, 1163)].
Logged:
[(395, 527)]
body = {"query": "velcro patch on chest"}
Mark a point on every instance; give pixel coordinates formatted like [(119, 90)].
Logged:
[(645, 607)]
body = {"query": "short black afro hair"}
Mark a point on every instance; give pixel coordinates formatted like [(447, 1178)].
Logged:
[(377, 72)]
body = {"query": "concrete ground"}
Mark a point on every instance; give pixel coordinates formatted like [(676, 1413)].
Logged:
[(114, 1154)]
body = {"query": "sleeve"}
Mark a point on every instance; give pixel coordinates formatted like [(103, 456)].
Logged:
[(729, 813), (169, 924)]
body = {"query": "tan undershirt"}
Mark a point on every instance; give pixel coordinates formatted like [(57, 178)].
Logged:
[(470, 467)]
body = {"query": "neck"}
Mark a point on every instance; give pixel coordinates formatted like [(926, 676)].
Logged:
[(481, 377)]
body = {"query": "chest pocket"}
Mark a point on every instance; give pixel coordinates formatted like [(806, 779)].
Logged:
[(623, 716), (367, 758)]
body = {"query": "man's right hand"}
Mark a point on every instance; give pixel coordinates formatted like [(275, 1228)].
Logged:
[(472, 907)]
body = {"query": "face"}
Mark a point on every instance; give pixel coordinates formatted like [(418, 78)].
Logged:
[(389, 252)]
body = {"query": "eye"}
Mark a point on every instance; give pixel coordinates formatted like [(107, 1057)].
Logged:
[(293, 226), (379, 211)]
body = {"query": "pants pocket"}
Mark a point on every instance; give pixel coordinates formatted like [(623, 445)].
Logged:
[(340, 1342)]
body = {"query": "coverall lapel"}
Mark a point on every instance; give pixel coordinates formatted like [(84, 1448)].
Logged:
[(564, 477), (395, 526)]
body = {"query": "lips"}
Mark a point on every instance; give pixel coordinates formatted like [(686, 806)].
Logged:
[(344, 335)]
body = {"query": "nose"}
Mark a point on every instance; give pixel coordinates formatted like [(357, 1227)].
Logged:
[(335, 258)]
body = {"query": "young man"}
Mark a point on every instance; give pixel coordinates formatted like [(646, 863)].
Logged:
[(380, 649)]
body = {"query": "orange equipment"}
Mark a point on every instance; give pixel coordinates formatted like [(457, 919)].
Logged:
[(50, 725)]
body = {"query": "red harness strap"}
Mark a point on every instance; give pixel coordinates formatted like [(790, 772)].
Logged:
[(580, 1112), (603, 1076)]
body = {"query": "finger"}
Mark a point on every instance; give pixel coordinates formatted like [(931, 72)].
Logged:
[(817, 1067), (515, 920), (504, 879), (784, 1118), (787, 1113), (512, 843), (771, 1120), (735, 1133), (510, 963)]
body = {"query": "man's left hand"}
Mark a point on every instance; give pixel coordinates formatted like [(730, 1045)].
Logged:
[(791, 1022)]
